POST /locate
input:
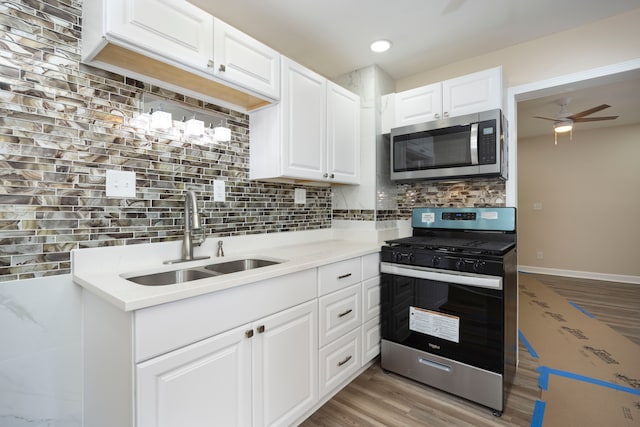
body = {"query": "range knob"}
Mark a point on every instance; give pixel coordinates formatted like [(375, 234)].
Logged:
[(478, 266), (435, 261), (460, 265)]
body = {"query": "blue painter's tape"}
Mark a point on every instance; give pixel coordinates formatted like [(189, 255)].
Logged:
[(543, 381), (528, 346), (538, 413), (585, 312)]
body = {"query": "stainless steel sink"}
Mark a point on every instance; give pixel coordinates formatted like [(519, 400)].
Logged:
[(171, 277), (239, 265), (195, 273)]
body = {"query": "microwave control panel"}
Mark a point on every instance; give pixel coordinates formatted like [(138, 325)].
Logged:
[(487, 134)]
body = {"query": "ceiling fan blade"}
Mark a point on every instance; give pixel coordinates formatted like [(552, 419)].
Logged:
[(555, 119), (589, 111), (595, 119)]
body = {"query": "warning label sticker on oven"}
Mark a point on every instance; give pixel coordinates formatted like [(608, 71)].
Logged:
[(433, 323)]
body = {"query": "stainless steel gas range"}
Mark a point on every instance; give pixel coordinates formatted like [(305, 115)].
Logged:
[(449, 302)]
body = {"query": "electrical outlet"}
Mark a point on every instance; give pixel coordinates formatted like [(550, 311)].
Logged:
[(539, 255), (537, 206), (121, 184)]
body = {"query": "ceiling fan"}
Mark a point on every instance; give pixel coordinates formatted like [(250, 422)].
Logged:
[(564, 120)]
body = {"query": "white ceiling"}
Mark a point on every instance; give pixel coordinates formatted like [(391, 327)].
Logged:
[(332, 37)]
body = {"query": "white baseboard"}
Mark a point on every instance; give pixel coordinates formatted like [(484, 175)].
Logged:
[(580, 274)]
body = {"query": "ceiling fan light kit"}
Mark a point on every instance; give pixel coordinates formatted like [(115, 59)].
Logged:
[(564, 121)]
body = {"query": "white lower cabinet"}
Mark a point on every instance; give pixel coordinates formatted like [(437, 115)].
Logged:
[(206, 383), (285, 363), (260, 374), (262, 354)]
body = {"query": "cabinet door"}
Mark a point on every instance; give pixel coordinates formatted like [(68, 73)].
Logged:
[(371, 299), (370, 340), (204, 384), (304, 122), (285, 365), (343, 135), (418, 105), (173, 29), (472, 93), (245, 61)]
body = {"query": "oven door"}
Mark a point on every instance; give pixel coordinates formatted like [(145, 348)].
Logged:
[(458, 316)]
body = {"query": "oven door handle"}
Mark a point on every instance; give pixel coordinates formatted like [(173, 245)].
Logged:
[(480, 281)]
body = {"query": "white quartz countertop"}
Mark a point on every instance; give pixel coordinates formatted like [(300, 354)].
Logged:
[(101, 270)]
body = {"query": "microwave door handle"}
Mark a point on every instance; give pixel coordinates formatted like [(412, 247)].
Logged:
[(473, 143)]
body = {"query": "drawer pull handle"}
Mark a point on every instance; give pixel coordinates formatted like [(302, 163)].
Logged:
[(249, 333), (344, 361), (344, 276), (345, 313), (260, 329)]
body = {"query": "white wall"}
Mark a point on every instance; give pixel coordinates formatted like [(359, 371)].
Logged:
[(588, 188), (601, 43)]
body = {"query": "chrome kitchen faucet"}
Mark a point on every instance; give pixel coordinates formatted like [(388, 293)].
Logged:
[(192, 225)]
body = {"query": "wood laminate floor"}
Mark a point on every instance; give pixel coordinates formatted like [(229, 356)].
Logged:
[(376, 398)]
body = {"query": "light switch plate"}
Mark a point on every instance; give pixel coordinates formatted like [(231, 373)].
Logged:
[(219, 191), (121, 184), (300, 196)]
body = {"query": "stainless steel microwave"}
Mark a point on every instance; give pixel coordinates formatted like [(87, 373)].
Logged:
[(464, 146)]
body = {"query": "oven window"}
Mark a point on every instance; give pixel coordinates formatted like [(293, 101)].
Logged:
[(432, 149), (462, 323)]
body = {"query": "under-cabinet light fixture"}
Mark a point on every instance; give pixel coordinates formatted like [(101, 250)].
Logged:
[(193, 128), (161, 120)]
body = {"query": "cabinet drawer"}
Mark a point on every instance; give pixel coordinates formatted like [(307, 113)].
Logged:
[(371, 299), (370, 340), (370, 265), (339, 275), (338, 361), (340, 312)]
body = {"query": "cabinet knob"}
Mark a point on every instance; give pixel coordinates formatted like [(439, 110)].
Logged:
[(437, 115), (446, 114), (249, 333), (332, 176), (222, 68), (210, 63), (260, 329), (326, 175)]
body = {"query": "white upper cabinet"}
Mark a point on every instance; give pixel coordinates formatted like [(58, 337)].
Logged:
[(418, 105), (304, 130), (313, 134), (245, 61), (175, 44), (467, 94), (343, 135), (164, 28), (472, 93)]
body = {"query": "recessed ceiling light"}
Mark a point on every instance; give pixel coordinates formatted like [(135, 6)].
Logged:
[(380, 46)]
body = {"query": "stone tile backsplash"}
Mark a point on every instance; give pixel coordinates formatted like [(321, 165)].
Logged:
[(64, 124)]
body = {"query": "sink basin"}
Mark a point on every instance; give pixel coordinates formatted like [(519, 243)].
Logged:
[(239, 265), (195, 273), (171, 277)]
